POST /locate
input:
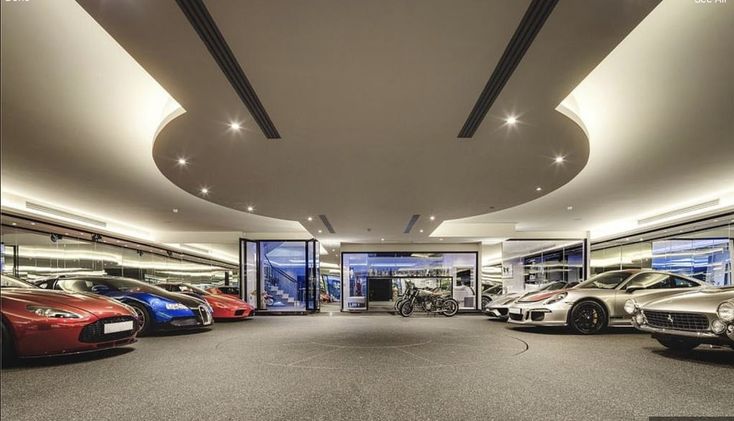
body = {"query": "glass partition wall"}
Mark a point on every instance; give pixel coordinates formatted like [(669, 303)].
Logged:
[(33, 254), (702, 249), (281, 276), (374, 280), (528, 264)]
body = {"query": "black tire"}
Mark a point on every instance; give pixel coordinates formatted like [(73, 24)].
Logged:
[(678, 344), (406, 310), (485, 302), (8, 351), (146, 322), (450, 307), (398, 303), (587, 317)]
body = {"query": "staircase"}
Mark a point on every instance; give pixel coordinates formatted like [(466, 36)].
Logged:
[(281, 285)]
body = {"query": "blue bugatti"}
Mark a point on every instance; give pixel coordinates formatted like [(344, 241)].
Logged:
[(156, 308)]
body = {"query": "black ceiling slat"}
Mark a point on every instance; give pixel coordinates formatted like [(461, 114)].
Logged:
[(327, 224), (411, 223), (204, 25), (531, 23)]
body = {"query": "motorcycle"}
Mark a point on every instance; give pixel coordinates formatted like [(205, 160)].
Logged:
[(430, 301)]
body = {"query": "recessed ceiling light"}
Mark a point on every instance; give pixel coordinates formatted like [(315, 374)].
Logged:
[(421, 230), (250, 208), (432, 218), (626, 239), (309, 219), (235, 126), (182, 161), (569, 207), (440, 239), (538, 188), (333, 250), (175, 210), (382, 239), (559, 159), (33, 223), (511, 120), (320, 231), (13, 224), (204, 191)]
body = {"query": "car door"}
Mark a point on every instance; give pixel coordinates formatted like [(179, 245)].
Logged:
[(648, 286)]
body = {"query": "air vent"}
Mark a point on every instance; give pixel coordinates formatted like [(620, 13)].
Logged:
[(202, 21), (678, 212), (531, 23), (327, 224), (409, 227), (64, 214)]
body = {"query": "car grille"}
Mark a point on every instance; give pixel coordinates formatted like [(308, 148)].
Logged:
[(239, 312), (516, 317), (680, 321), (502, 311), (94, 332), (202, 315)]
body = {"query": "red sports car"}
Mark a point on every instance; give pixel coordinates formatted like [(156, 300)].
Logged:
[(224, 306), (225, 290), (38, 322)]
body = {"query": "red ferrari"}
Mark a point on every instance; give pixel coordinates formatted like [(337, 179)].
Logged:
[(224, 306), (38, 322)]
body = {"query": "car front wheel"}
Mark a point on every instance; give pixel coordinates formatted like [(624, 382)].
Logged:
[(485, 302), (588, 317), (143, 318), (8, 354), (678, 344)]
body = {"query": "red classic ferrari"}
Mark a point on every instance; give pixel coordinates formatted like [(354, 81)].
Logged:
[(224, 306), (38, 322)]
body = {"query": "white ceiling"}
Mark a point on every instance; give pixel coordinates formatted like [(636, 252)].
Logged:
[(368, 98), (659, 113)]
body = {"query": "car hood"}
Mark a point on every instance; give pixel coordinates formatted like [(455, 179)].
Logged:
[(90, 303), (702, 300), (227, 300), (184, 299)]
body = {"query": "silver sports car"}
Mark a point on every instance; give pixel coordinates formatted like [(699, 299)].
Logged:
[(598, 302), (685, 321), (498, 308)]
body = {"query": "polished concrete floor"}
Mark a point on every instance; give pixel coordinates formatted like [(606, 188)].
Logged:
[(375, 367)]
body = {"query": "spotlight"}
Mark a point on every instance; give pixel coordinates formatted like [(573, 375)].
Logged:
[(538, 188), (309, 219), (250, 208), (569, 208), (182, 161), (204, 191), (55, 238), (96, 238), (511, 120), (235, 126), (432, 218), (559, 159)]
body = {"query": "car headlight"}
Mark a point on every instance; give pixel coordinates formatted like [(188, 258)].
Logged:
[(630, 306), (54, 313), (175, 306), (640, 319), (556, 298), (726, 311)]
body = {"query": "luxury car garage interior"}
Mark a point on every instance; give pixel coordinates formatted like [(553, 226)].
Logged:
[(367, 210)]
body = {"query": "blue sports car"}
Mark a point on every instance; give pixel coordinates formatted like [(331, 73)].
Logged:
[(156, 308)]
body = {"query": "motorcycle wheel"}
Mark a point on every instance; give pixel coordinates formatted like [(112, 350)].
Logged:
[(398, 303), (406, 309), (450, 307)]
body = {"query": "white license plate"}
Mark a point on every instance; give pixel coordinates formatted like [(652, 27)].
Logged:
[(515, 310), (118, 327)]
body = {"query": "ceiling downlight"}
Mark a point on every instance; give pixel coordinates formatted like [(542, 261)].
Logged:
[(204, 24)]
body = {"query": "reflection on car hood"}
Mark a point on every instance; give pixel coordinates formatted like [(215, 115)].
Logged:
[(224, 299), (703, 300), (90, 303)]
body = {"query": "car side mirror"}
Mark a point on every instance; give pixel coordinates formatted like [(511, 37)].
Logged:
[(98, 289)]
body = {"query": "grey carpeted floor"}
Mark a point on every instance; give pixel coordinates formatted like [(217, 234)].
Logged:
[(376, 367)]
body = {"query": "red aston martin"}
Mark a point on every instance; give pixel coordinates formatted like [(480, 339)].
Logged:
[(224, 306), (38, 322)]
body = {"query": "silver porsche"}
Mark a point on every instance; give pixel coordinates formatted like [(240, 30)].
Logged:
[(498, 308), (598, 302), (685, 321)]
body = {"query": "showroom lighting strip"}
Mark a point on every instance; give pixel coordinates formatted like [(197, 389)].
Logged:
[(531, 23), (204, 24), (679, 212)]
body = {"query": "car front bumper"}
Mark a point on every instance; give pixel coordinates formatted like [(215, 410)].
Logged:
[(531, 314)]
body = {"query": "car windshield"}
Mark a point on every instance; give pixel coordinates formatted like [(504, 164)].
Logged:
[(606, 280), (191, 288), (8, 282), (113, 284)]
